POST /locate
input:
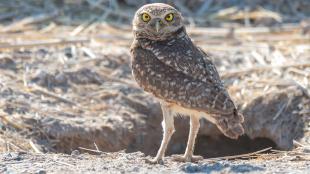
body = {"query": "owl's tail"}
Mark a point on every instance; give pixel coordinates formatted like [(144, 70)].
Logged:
[(230, 125)]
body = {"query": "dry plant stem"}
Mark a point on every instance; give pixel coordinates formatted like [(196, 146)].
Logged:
[(34, 147), (30, 20), (9, 121), (91, 150), (247, 155), (38, 89), (237, 73), (240, 31), (43, 43), (60, 162)]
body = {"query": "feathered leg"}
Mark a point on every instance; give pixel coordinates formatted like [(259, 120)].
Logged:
[(188, 155), (168, 128)]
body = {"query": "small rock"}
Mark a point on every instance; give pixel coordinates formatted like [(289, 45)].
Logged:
[(3, 169), (41, 172), (12, 156), (75, 153), (44, 79), (306, 150), (85, 76), (190, 168), (7, 63), (63, 79), (136, 169)]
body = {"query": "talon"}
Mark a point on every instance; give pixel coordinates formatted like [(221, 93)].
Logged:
[(183, 158), (154, 161)]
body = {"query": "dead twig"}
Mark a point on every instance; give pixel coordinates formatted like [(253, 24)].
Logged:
[(247, 155), (237, 73), (91, 150), (34, 147), (280, 111), (19, 25), (242, 31), (43, 43), (17, 147), (36, 89), (7, 120), (298, 143), (96, 146), (82, 27), (63, 163)]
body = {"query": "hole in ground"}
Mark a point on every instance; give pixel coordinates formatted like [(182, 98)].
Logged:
[(209, 147), (148, 139), (209, 143)]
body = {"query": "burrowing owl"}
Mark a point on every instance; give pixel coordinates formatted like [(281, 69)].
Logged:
[(167, 64)]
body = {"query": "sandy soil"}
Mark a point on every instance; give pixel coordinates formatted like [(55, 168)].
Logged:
[(120, 162)]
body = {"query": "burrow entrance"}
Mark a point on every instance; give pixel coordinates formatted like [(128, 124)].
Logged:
[(215, 145), (206, 146)]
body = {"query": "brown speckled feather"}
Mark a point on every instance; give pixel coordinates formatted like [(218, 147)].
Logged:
[(177, 71), (166, 63)]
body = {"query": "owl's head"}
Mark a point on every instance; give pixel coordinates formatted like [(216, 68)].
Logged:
[(157, 21)]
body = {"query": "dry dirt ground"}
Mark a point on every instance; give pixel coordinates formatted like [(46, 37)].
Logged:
[(120, 162), (67, 90), (62, 95)]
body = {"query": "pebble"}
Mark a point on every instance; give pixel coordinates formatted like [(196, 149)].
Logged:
[(75, 153)]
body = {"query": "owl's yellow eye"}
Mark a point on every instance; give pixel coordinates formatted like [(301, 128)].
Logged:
[(146, 17), (169, 17)]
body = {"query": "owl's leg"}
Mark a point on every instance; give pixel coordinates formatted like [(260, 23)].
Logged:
[(188, 156), (168, 128)]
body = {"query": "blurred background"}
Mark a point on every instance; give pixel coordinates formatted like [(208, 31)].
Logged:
[(197, 12), (66, 84)]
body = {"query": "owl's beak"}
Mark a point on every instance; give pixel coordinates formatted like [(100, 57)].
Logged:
[(157, 25)]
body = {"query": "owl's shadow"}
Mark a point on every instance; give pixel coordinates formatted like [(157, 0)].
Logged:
[(224, 167)]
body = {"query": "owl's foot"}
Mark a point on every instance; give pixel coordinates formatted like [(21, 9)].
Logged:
[(188, 158), (154, 161)]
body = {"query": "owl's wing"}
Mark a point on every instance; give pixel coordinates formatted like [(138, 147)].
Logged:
[(183, 56), (164, 81), (210, 69)]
